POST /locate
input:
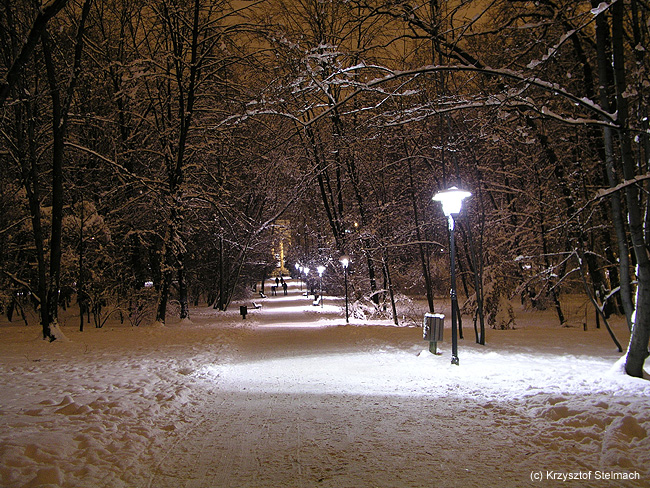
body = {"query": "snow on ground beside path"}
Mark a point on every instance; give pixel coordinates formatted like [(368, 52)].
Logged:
[(292, 397)]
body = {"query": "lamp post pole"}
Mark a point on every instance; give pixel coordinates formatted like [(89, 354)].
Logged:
[(454, 298), (345, 262), (452, 200)]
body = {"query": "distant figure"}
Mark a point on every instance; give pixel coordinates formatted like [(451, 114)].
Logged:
[(277, 281), (284, 287), (274, 290)]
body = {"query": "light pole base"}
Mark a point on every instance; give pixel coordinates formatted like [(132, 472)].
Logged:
[(454, 360)]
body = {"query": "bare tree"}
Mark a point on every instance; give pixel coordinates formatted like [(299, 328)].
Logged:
[(62, 83)]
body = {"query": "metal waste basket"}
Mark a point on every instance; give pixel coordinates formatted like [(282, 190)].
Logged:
[(432, 330), (243, 310)]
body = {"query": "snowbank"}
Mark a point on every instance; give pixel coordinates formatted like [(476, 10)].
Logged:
[(292, 397)]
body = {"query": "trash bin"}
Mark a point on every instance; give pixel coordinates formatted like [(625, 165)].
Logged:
[(432, 330), (243, 310)]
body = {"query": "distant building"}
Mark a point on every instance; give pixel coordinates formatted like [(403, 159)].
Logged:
[(281, 244)]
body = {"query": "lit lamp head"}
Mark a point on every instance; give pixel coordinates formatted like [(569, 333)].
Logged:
[(452, 201), (321, 270), (345, 261)]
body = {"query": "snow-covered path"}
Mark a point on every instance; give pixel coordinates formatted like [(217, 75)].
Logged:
[(342, 441), (301, 405), (291, 397)]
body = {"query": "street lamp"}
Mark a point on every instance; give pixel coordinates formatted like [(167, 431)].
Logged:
[(345, 262), (452, 201), (321, 270)]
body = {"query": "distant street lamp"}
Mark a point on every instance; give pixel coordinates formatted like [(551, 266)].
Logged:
[(452, 201), (321, 270), (345, 262)]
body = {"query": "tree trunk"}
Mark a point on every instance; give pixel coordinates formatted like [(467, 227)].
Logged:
[(333, 209), (604, 67), (60, 109), (81, 299), (638, 347), (182, 290), (163, 291), (423, 254), (29, 170), (390, 291), (353, 173), (58, 135), (477, 272), (220, 304)]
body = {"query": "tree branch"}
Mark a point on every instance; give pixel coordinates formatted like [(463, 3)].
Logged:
[(45, 13)]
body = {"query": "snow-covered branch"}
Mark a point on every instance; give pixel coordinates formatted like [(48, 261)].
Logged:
[(608, 191), (553, 88)]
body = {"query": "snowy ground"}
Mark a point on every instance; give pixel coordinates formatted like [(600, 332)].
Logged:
[(291, 397)]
